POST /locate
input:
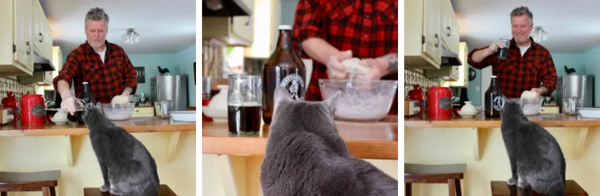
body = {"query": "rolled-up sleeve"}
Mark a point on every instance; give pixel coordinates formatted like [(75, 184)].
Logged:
[(548, 74), (68, 71), (307, 21), (130, 76), (487, 61)]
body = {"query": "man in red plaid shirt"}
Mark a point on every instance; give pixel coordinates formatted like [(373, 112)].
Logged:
[(336, 30), (527, 65), (105, 66)]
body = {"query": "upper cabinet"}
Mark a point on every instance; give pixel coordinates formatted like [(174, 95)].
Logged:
[(463, 75), (429, 25), (24, 31), (266, 29), (234, 31)]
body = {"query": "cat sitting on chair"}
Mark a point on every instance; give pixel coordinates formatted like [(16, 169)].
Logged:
[(536, 160), (306, 156), (127, 166)]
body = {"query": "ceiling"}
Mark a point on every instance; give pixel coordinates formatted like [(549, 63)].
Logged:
[(165, 26), (574, 27)]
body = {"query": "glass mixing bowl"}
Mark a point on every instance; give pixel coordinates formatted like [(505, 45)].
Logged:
[(360, 100), (118, 111)]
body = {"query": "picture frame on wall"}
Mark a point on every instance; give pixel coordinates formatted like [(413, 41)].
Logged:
[(141, 75)]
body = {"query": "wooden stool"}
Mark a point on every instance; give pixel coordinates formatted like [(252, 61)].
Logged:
[(501, 188), (44, 181), (451, 174), (164, 190)]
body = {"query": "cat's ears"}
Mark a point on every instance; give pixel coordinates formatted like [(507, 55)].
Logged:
[(281, 94), (331, 101)]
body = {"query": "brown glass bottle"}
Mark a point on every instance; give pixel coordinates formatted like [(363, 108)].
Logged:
[(493, 100), (284, 68)]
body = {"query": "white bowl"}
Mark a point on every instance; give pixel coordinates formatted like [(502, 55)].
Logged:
[(216, 115), (466, 114), (59, 121)]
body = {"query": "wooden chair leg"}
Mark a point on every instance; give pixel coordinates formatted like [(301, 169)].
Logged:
[(458, 189), (451, 187), (408, 189), (3, 193), (46, 191), (53, 191)]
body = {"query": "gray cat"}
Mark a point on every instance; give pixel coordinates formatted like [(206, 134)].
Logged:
[(536, 160), (127, 166), (306, 156)]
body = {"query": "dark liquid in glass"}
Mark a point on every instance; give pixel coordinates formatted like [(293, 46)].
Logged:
[(244, 120), (502, 52)]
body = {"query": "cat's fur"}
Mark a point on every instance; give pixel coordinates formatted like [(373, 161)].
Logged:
[(306, 156), (536, 159), (127, 166)]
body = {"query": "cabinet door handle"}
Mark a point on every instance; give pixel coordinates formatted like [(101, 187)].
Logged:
[(449, 31), (41, 37), (437, 40), (28, 48)]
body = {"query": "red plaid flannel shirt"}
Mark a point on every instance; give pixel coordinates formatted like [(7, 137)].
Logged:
[(106, 80), (368, 28), (518, 74)]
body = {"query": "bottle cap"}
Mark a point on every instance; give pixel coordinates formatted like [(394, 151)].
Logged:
[(493, 76), (285, 27), (85, 83)]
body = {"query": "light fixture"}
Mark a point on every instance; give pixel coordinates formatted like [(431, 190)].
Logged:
[(131, 37), (539, 35)]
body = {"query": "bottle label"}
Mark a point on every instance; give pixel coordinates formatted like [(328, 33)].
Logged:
[(497, 103), (294, 84)]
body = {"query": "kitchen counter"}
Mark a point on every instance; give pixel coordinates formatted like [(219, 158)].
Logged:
[(480, 121), (364, 140), (68, 148), (133, 125), (478, 142), (235, 161)]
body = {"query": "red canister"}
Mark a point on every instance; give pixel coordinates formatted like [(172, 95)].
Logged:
[(439, 102), (32, 110), (417, 94)]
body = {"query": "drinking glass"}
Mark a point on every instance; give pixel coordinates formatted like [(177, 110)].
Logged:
[(503, 51), (244, 103)]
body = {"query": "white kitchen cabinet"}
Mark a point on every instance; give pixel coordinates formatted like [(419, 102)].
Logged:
[(24, 31), (234, 31), (266, 28), (428, 24)]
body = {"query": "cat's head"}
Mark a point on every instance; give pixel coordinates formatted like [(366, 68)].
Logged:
[(511, 107), (297, 112), (92, 115)]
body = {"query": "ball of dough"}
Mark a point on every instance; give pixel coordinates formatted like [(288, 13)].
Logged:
[(120, 99), (530, 95), (354, 64)]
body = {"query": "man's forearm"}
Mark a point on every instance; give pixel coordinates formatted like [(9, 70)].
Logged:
[(479, 55), (127, 91), (64, 89), (319, 49), (391, 62)]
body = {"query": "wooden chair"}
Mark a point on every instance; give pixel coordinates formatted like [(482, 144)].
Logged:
[(501, 188), (44, 181), (164, 190), (451, 174)]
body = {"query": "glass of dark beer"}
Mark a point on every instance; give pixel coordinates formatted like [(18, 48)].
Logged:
[(244, 101), (503, 51)]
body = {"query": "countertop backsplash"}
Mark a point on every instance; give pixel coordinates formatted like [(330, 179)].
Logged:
[(10, 83), (416, 76)]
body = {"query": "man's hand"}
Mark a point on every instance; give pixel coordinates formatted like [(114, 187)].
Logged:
[(335, 68), (378, 69), (127, 92), (539, 91), (68, 105)]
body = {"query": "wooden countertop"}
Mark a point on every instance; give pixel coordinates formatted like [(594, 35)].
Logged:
[(377, 140), (133, 125), (480, 121)]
